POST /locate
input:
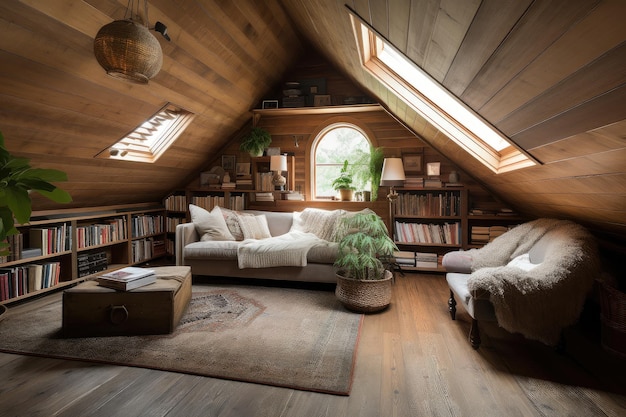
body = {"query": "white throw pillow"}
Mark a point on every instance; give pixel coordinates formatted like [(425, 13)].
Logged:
[(232, 222), (522, 262), (209, 225), (254, 227)]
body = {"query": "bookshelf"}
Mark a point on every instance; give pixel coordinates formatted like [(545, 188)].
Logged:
[(60, 248), (427, 223)]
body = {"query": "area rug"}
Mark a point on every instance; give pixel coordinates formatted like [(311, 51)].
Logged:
[(295, 338)]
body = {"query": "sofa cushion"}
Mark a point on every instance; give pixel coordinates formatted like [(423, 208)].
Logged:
[(209, 225), (232, 222), (254, 227), (211, 250), (317, 221)]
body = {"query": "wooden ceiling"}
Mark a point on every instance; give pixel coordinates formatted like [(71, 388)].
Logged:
[(550, 74)]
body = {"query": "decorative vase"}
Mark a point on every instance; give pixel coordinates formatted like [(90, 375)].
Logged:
[(364, 296), (454, 177)]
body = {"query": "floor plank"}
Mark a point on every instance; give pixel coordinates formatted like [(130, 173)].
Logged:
[(412, 360)]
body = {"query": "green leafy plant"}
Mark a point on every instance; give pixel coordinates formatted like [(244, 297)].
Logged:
[(17, 180), (344, 180), (365, 248), (256, 141), (377, 157)]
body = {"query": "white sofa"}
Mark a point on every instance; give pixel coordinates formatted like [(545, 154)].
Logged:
[(210, 250), (532, 280)]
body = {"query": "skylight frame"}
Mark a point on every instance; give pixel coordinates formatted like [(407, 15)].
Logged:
[(500, 158), (152, 138)]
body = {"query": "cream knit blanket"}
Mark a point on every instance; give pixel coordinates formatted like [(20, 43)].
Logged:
[(290, 249)]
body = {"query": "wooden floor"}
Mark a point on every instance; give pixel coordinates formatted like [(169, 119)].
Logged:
[(412, 361)]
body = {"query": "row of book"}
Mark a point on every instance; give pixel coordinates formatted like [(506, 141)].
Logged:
[(417, 259), (23, 279), (146, 225), (481, 235), (264, 181), (17, 251), (207, 202), (53, 239), (421, 182), (92, 263), (446, 233), (146, 249), (428, 204), (99, 234), (176, 203)]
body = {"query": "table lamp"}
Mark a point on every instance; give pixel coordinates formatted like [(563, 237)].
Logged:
[(278, 164)]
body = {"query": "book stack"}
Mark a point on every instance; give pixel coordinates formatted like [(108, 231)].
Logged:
[(264, 196), (404, 258), (229, 185), (480, 235), (244, 182), (433, 183), (128, 278), (91, 263), (495, 231), (425, 260), (293, 196), (414, 182)]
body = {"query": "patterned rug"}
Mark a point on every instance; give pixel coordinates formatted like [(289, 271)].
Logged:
[(294, 338)]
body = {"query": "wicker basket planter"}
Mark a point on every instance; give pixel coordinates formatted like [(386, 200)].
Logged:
[(364, 296)]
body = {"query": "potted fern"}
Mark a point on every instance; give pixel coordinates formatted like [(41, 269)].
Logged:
[(17, 180), (343, 183), (256, 141), (364, 262)]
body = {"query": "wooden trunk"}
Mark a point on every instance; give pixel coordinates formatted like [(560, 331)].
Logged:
[(92, 310)]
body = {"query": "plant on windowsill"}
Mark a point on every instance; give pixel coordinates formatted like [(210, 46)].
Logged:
[(343, 183), (364, 262), (256, 141), (17, 180)]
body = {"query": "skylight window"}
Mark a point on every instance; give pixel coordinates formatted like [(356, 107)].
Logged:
[(152, 138), (436, 104)]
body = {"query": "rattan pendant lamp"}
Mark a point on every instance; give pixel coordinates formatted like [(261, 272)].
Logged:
[(126, 49)]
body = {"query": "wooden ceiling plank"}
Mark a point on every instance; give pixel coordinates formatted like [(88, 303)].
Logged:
[(489, 28), (451, 25), (595, 35), (542, 24), (606, 109), (604, 74), (422, 17)]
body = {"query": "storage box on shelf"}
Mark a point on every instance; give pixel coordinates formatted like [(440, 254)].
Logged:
[(428, 222), (60, 248)]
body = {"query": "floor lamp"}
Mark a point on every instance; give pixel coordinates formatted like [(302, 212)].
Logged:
[(392, 175)]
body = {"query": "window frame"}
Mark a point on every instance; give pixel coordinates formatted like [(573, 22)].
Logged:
[(318, 137), (369, 42)]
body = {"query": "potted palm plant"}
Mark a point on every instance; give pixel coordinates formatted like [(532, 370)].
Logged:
[(343, 183), (256, 141), (364, 262), (17, 180)]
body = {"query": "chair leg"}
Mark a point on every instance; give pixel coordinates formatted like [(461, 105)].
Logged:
[(474, 336), (452, 306)]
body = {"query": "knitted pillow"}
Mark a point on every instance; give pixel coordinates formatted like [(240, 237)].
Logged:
[(254, 227), (209, 225), (232, 222)]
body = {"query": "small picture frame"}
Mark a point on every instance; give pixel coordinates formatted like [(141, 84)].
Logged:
[(269, 104), (321, 100), (228, 162), (243, 168), (272, 151), (433, 169), (413, 163)]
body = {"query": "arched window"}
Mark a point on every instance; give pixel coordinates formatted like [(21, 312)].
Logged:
[(335, 144)]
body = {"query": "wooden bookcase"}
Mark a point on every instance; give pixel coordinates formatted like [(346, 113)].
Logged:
[(78, 244), (431, 221)]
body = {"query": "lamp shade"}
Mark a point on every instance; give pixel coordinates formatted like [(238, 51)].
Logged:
[(393, 172), (127, 50), (278, 163)]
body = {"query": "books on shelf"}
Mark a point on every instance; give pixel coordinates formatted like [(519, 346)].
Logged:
[(438, 234), (414, 182), (128, 278), (444, 203), (264, 196), (426, 260), (433, 183)]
